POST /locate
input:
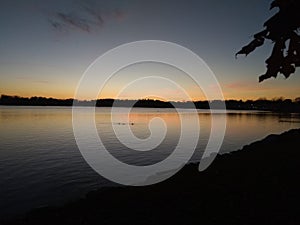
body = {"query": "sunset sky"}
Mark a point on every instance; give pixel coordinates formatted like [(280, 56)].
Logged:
[(45, 46)]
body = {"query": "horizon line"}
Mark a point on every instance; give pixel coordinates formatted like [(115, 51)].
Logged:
[(153, 99)]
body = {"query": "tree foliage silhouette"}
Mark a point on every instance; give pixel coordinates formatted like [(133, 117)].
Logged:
[(283, 30)]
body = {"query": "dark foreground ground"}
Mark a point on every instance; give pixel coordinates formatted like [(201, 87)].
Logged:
[(258, 185)]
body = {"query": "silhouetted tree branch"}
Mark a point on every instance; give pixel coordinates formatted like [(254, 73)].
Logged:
[(283, 30)]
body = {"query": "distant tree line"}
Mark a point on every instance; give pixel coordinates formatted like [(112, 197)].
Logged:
[(34, 101), (279, 104)]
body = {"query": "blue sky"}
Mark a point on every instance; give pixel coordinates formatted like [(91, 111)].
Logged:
[(37, 58)]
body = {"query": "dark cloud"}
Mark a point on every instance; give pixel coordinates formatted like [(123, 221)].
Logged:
[(64, 20), (93, 9), (87, 15)]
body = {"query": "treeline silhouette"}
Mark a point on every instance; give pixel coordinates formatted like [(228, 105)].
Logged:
[(279, 104)]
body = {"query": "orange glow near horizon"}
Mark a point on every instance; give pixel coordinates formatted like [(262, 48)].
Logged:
[(230, 92), (226, 97), (239, 90)]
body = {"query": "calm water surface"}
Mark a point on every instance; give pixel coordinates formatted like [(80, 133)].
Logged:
[(40, 163)]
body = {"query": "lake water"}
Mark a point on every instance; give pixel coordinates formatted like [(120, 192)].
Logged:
[(40, 163)]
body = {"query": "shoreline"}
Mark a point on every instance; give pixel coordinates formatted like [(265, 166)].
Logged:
[(274, 105), (256, 184)]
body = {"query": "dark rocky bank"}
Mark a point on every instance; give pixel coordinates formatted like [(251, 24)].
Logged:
[(256, 185)]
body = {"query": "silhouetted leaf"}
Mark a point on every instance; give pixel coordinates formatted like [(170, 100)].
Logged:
[(281, 28), (251, 47), (287, 70), (261, 34)]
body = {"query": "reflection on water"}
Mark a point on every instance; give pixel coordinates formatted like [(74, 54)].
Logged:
[(40, 163)]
